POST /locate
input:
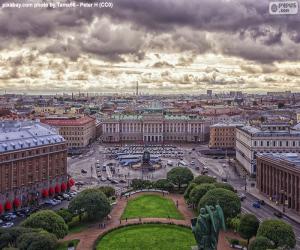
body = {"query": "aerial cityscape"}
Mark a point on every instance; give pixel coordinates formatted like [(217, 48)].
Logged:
[(135, 124)]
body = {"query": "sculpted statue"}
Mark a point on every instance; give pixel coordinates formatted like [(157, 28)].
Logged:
[(206, 227)]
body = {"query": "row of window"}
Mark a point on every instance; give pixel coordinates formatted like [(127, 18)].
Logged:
[(276, 143)]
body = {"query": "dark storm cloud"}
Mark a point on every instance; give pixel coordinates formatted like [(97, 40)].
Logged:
[(159, 24)]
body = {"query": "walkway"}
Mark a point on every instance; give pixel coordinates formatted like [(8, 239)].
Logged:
[(90, 235)]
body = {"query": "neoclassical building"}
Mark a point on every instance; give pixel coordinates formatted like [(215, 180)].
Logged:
[(155, 127), (33, 163)]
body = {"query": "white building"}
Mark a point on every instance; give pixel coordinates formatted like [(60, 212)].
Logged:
[(155, 127), (252, 140)]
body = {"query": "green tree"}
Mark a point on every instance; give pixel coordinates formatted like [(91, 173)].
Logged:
[(9, 236), (188, 190), (228, 200), (279, 232), (108, 191), (198, 192), (49, 221), (180, 176), (65, 214), (37, 241), (234, 223), (137, 184), (248, 226), (164, 184), (261, 243), (224, 185), (93, 202), (200, 179)]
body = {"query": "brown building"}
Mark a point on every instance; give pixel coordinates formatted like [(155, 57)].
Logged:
[(33, 163), (278, 177), (77, 131), (222, 135)]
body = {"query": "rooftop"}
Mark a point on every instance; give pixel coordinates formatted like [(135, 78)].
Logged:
[(254, 131), (17, 135), (292, 158), (67, 121), (223, 124)]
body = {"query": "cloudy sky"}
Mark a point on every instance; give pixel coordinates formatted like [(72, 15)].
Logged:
[(167, 46)]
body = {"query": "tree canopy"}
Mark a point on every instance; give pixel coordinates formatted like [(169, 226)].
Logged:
[(224, 185), (188, 190), (228, 200), (248, 226), (199, 191), (49, 221), (201, 179), (279, 232), (260, 243), (164, 184), (93, 202), (65, 214), (180, 176), (37, 241)]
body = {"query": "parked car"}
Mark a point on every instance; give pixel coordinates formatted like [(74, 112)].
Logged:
[(192, 163), (256, 204), (114, 181), (122, 181), (11, 215), (261, 202), (7, 225), (66, 197)]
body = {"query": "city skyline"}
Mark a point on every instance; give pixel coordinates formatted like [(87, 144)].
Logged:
[(168, 47)]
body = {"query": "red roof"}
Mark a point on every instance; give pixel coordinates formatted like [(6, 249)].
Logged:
[(68, 121)]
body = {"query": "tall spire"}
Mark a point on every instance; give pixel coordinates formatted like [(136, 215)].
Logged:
[(137, 88)]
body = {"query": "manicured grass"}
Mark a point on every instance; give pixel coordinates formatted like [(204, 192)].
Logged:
[(64, 245), (148, 237), (151, 206)]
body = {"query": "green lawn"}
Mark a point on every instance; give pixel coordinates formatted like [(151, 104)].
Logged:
[(151, 206), (148, 237), (64, 245)]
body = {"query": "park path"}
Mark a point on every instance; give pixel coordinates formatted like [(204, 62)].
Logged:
[(88, 236)]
